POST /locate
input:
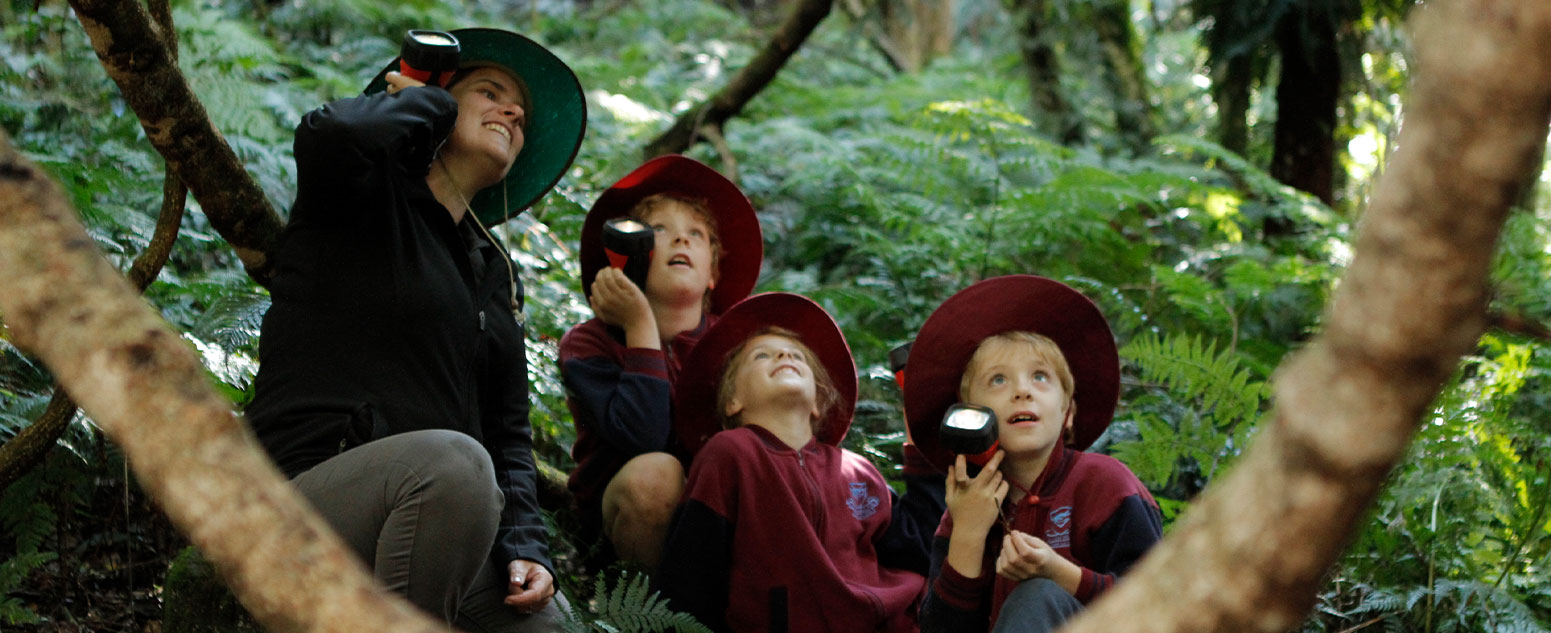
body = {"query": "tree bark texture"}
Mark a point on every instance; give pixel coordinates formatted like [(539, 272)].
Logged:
[(1053, 112), (146, 388), (805, 16), (30, 445), (141, 64), (1251, 553), (1304, 156), (1126, 77)]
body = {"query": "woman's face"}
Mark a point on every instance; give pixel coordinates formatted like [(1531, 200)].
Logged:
[(490, 121)]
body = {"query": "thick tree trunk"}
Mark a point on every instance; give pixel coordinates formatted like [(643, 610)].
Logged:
[(1306, 98), (146, 388), (1231, 91), (729, 101), (1053, 113), (175, 122), (1126, 77), (1251, 553)]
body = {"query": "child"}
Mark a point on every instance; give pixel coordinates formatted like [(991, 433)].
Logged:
[(1044, 527), (781, 529), (619, 367)]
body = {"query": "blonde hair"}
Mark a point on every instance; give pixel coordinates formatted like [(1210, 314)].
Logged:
[(645, 207), (1037, 345), (825, 393)]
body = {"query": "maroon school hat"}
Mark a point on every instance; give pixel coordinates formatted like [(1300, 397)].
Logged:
[(742, 247), (694, 406), (1007, 304)]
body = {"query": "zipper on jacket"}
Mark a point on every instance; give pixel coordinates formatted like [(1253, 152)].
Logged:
[(818, 499), (481, 320)]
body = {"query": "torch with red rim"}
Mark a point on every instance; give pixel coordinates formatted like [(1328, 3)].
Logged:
[(430, 57), (629, 243)]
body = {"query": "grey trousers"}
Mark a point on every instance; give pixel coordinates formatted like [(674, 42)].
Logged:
[(421, 510), (1036, 605)]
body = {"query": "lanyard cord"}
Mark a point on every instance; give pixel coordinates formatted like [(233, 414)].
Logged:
[(1002, 513), (511, 275)]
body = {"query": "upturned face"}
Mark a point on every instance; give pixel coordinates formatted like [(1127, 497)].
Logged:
[(1033, 410), (490, 121), (772, 369), (682, 263)]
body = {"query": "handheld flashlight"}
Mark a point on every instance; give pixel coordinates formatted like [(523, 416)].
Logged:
[(897, 358), (430, 57), (969, 430), (629, 245)]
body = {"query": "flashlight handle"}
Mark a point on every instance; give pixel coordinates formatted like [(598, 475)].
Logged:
[(981, 459), (635, 268), (440, 78)]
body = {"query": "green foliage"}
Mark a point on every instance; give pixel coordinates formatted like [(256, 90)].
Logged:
[(879, 195), (1198, 417), (630, 606)]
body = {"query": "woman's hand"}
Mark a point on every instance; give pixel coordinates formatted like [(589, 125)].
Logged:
[(397, 82), (530, 586), (975, 502)]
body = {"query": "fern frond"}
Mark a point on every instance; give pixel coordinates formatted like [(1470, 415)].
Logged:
[(630, 606)]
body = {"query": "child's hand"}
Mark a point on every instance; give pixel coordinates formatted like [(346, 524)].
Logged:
[(1025, 556), (975, 502), (617, 301)]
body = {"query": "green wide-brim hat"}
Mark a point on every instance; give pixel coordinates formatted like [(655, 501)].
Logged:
[(556, 112)]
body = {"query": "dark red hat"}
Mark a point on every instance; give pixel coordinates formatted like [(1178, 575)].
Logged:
[(1008, 304), (742, 247), (694, 405)]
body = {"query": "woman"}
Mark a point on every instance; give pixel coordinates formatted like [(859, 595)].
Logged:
[(393, 381)]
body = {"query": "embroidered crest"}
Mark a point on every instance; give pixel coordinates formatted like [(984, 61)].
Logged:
[(1061, 516), (1056, 535), (862, 505)]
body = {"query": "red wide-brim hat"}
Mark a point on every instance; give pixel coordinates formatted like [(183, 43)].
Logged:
[(694, 408), (742, 247), (1007, 304)]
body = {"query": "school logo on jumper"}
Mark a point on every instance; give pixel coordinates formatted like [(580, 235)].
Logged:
[(1056, 534), (862, 505)]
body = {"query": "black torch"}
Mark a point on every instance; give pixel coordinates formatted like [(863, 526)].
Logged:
[(629, 245), (430, 57), (969, 430), (897, 358)]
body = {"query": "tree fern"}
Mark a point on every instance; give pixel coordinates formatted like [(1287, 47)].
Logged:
[(1203, 415), (629, 607)]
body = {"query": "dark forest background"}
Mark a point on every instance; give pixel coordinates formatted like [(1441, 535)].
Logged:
[(1195, 167)]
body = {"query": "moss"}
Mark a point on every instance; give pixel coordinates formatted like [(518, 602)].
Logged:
[(196, 601)]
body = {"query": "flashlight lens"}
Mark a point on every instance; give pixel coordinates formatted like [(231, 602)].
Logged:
[(968, 419), (628, 225), (430, 38)]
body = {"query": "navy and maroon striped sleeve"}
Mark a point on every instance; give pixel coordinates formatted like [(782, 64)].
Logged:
[(953, 603), (623, 393), (1120, 541)]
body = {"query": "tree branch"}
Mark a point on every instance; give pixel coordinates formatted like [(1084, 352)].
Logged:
[(1250, 555), (134, 375), (143, 66), (1516, 323), (29, 446), (759, 72)]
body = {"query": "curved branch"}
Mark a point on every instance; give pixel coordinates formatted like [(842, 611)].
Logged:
[(30, 445), (760, 71), (1250, 555), (175, 122), (147, 389)]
